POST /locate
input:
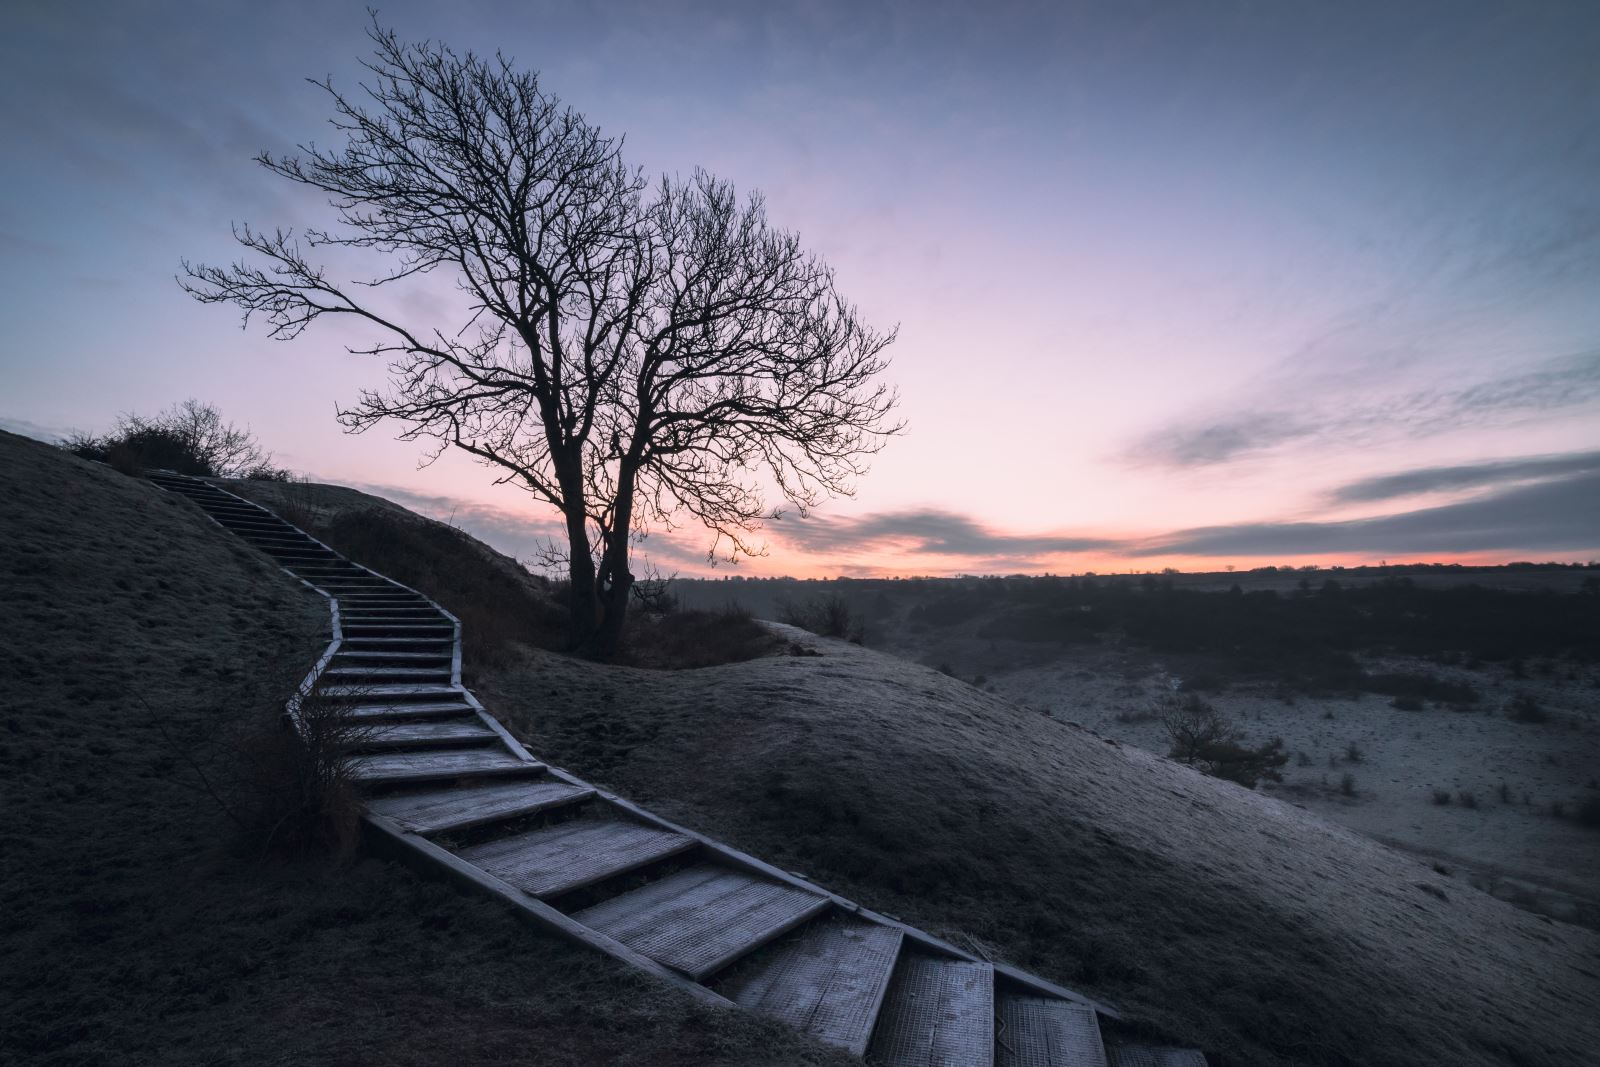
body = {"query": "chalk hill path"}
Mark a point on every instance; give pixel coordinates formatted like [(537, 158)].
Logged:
[(447, 787)]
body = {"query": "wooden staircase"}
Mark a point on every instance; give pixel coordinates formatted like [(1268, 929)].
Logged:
[(450, 789)]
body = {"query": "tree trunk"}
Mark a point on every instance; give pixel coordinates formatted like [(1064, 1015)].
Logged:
[(583, 605), (613, 609), (615, 581)]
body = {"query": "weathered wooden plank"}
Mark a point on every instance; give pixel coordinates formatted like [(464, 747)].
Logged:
[(1045, 1032), (440, 811), (558, 859), (701, 919), (385, 675), (938, 1013), (1152, 1056), (452, 763), (536, 911), (422, 709), (389, 693), (422, 734), (828, 979)]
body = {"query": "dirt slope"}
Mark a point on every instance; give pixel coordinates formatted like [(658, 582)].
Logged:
[(135, 930), (1225, 918)]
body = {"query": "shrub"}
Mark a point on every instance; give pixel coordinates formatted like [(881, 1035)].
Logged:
[(1193, 725), (826, 615), (189, 438), (1353, 753), (1441, 797), (1407, 703), (1204, 738), (1524, 708), (1419, 687), (290, 791), (1466, 799), (684, 640), (1588, 813), (1347, 785), (1244, 765)]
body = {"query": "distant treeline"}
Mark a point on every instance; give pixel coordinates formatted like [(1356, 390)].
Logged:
[(1306, 636)]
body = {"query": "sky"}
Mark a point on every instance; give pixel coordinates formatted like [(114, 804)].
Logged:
[(1177, 284)]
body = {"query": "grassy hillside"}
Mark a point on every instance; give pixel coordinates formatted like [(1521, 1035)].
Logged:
[(1223, 917), (137, 927), (1217, 916)]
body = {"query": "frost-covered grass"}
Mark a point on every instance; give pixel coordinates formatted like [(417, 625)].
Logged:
[(1220, 917)]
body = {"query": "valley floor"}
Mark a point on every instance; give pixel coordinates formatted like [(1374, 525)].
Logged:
[(1512, 788)]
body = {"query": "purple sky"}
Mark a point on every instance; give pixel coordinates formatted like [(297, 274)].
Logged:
[(1177, 283)]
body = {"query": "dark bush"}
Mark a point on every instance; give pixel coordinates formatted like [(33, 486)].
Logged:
[(1524, 708), (1407, 704), (1588, 813), (1419, 687), (682, 640), (826, 615), (189, 438), (1242, 764), (1204, 738)]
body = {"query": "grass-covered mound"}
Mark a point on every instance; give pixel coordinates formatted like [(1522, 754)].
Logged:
[(1227, 920), (137, 927)]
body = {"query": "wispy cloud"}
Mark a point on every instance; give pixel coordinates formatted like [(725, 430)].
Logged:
[(926, 531), (1559, 515), (1465, 476), (1562, 383)]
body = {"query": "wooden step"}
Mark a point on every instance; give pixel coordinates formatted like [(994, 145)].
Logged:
[(362, 611), (389, 694), (408, 712), (357, 655), (703, 918), (422, 734), (828, 978), (937, 1011), (253, 525), (378, 675), (438, 811), (440, 764), (1153, 1056), (386, 597), (441, 627), (1046, 1032), (553, 860), (363, 617)]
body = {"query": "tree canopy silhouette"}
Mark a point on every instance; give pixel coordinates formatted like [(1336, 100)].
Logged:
[(629, 351)]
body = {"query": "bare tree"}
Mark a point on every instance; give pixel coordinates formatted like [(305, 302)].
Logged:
[(1195, 727), (629, 352)]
